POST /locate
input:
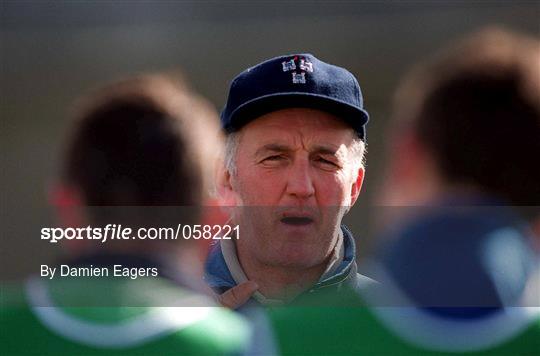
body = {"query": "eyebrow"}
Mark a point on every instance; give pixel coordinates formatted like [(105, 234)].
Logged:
[(325, 149), (273, 147), (276, 147)]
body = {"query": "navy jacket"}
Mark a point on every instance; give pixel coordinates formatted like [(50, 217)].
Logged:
[(219, 278)]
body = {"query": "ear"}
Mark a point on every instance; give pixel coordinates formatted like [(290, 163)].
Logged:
[(69, 208), (405, 165), (400, 170), (411, 177), (356, 187), (225, 189), (67, 203)]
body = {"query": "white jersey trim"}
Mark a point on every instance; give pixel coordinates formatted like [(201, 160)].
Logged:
[(156, 323), (451, 335)]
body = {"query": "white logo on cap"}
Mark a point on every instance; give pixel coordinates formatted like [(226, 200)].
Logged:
[(288, 65), (299, 78), (303, 64)]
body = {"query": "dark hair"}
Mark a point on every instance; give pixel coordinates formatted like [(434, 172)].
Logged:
[(142, 141), (476, 108)]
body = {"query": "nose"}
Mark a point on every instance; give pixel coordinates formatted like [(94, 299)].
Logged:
[(299, 180)]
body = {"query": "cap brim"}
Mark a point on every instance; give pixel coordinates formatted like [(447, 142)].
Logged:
[(353, 116)]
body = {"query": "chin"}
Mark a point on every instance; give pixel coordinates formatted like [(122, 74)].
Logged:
[(296, 258)]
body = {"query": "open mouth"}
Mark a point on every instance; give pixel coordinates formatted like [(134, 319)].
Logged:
[(296, 220)]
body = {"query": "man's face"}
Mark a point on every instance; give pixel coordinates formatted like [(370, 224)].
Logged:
[(294, 175)]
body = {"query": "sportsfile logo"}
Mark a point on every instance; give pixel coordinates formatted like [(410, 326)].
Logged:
[(303, 65), (120, 232)]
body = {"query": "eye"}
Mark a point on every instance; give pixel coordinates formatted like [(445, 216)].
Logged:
[(325, 161), (273, 158), (326, 164)]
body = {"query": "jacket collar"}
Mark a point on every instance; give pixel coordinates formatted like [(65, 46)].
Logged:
[(346, 271), (220, 279)]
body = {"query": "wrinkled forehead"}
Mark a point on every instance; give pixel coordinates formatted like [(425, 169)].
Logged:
[(298, 127)]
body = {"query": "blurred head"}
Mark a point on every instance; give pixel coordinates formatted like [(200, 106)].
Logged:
[(466, 124), (144, 142), (293, 173), (468, 119)]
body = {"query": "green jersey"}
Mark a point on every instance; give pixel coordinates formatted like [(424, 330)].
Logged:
[(124, 317), (354, 328)]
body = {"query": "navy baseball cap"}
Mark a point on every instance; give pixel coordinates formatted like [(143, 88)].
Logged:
[(298, 80)]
